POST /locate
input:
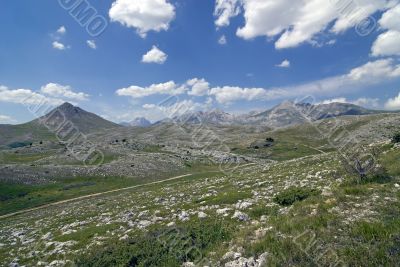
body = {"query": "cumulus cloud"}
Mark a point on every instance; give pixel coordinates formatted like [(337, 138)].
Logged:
[(59, 46), (26, 96), (225, 10), (387, 43), (65, 91), (370, 73), (393, 103), (229, 94), (155, 55), (294, 22), (61, 30), (284, 64), (144, 16), (91, 44), (168, 88), (375, 71), (391, 19), (199, 87)]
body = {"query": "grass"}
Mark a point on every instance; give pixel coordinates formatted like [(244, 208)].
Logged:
[(14, 197), (8, 157), (230, 197), (161, 246)]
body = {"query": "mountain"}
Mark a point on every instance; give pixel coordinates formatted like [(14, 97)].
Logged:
[(213, 117), (61, 119), (85, 121), (137, 122), (289, 113), (285, 114)]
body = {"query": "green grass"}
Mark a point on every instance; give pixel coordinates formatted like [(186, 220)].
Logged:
[(260, 210), (230, 197), (9, 157), (161, 246), (14, 197)]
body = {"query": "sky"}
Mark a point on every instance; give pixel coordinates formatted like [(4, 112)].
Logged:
[(123, 59)]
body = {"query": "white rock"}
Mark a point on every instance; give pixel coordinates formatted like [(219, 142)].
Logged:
[(202, 215), (184, 216), (144, 224), (243, 205), (243, 217)]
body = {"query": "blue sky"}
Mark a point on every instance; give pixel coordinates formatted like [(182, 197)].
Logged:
[(45, 54)]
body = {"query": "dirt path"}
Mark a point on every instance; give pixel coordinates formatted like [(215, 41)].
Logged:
[(89, 196)]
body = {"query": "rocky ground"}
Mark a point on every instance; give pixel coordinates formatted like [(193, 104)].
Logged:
[(243, 198)]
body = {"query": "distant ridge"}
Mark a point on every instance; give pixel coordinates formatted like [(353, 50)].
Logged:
[(137, 122)]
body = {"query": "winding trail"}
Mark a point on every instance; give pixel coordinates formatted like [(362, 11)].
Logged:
[(90, 196)]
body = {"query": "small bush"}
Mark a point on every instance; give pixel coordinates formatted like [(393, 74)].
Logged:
[(18, 144), (292, 195), (396, 138)]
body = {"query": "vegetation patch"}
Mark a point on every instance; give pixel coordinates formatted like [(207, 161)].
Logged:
[(161, 247), (294, 194)]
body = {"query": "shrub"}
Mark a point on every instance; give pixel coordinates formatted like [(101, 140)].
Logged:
[(396, 138), (294, 194)]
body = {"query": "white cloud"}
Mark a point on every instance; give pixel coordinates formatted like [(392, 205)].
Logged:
[(229, 94), (374, 71), (222, 40), (168, 88), (371, 73), (91, 44), (294, 22), (199, 87), (58, 45), (6, 119), (364, 102), (155, 55), (334, 100), (57, 90), (26, 96), (149, 106), (62, 30), (391, 19), (225, 10), (393, 103), (387, 43), (144, 16), (367, 102), (284, 64)]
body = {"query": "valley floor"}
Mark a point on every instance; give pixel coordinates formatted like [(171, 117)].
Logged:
[(300, 212)]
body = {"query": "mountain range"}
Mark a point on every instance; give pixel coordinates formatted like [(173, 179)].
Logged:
[(284, 114)]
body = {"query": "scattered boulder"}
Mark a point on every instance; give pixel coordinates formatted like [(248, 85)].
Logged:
[(243, 217)]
